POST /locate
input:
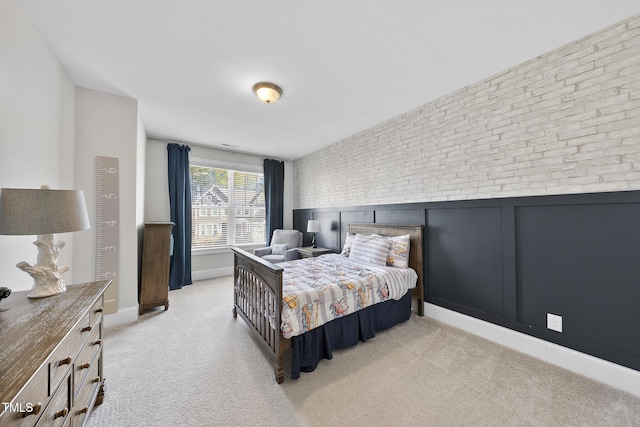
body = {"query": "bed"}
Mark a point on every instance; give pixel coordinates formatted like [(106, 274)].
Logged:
[(260, 301)]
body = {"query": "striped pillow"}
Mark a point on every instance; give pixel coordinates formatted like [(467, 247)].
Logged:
[(370, 248)]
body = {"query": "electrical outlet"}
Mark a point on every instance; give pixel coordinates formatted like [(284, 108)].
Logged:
[(554, 322)]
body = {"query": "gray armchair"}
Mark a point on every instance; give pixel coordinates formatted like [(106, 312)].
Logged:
[(284, 244)]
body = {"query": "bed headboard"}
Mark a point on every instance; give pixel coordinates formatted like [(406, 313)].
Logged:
[(416, 260)]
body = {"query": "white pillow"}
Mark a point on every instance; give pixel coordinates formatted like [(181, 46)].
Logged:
[(279, 249), (347, 245), (370, 248), (399, 251)]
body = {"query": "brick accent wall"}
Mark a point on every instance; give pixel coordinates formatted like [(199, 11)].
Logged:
[(565, 122)]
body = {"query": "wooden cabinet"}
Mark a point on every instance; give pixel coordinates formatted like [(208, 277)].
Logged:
[(156, 258), (51, 357)]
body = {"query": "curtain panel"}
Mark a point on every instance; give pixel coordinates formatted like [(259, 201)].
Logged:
[(273, 195), (180, 206)]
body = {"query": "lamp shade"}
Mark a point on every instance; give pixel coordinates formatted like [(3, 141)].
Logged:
[(42, 211), (313, 226)]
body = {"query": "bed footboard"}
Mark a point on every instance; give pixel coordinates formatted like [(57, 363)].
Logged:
[(257, 298)]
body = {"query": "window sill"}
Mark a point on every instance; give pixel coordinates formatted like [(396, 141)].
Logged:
[(226, 249)]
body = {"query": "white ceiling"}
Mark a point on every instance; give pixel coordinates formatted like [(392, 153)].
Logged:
[(343, 65)]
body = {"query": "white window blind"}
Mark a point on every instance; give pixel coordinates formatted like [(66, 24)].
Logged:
[(227, 207)]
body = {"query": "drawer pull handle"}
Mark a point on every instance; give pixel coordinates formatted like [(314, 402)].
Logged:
[(99, 310), (84, 366), (83, 410), (62, 413), (95, 380), (86, 329), (65, 361), (35, 411), (97, 342)]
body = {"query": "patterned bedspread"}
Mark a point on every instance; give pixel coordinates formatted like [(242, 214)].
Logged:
[(318, 290)]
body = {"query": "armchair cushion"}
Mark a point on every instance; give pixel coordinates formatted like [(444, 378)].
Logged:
[(274, 258), (279, 249)]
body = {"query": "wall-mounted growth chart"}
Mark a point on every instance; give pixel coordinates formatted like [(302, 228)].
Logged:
[(108, 228)]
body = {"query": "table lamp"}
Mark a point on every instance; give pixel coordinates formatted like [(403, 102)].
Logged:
[(313, 226), (43, 212)]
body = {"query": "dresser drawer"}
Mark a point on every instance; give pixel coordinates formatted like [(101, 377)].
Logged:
[(28, 405), (63, 356), (57, 411), (88, 389), (87, 358), (95, 313)]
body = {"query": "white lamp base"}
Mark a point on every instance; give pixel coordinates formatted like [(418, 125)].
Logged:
[(47, 275)]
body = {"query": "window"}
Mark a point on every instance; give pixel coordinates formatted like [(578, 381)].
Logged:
[(227, 207)]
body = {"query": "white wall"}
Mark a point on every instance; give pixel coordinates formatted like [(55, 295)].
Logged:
[(50, 134), (140, 185), (108, 125), (36, 132), (205, 264), (565, 122)]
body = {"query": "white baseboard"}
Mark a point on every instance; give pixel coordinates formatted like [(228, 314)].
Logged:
[(122, 316), (592, 367), (212, 273)]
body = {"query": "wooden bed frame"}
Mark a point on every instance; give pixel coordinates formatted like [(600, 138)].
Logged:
[(257, 295)]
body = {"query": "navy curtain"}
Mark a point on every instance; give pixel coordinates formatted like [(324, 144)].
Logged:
[(273, 195), (180, 206)]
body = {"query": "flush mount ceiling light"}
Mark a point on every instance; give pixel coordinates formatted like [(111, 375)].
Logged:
[(267, 92)]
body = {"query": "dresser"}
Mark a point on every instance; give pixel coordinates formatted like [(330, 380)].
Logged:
[(156, 261), (51, 357)]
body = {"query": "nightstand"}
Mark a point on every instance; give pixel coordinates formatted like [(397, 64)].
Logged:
[(310, 252)]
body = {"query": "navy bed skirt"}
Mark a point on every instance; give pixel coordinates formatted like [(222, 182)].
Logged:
[(310, 347)]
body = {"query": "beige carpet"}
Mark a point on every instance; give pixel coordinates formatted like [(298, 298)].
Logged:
[(194, 365)]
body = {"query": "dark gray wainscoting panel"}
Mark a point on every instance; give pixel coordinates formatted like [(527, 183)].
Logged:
[(464, 258), (329, 236), (300, 218), (510, 261), (582, 262), (400, 216), (352, 217)]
